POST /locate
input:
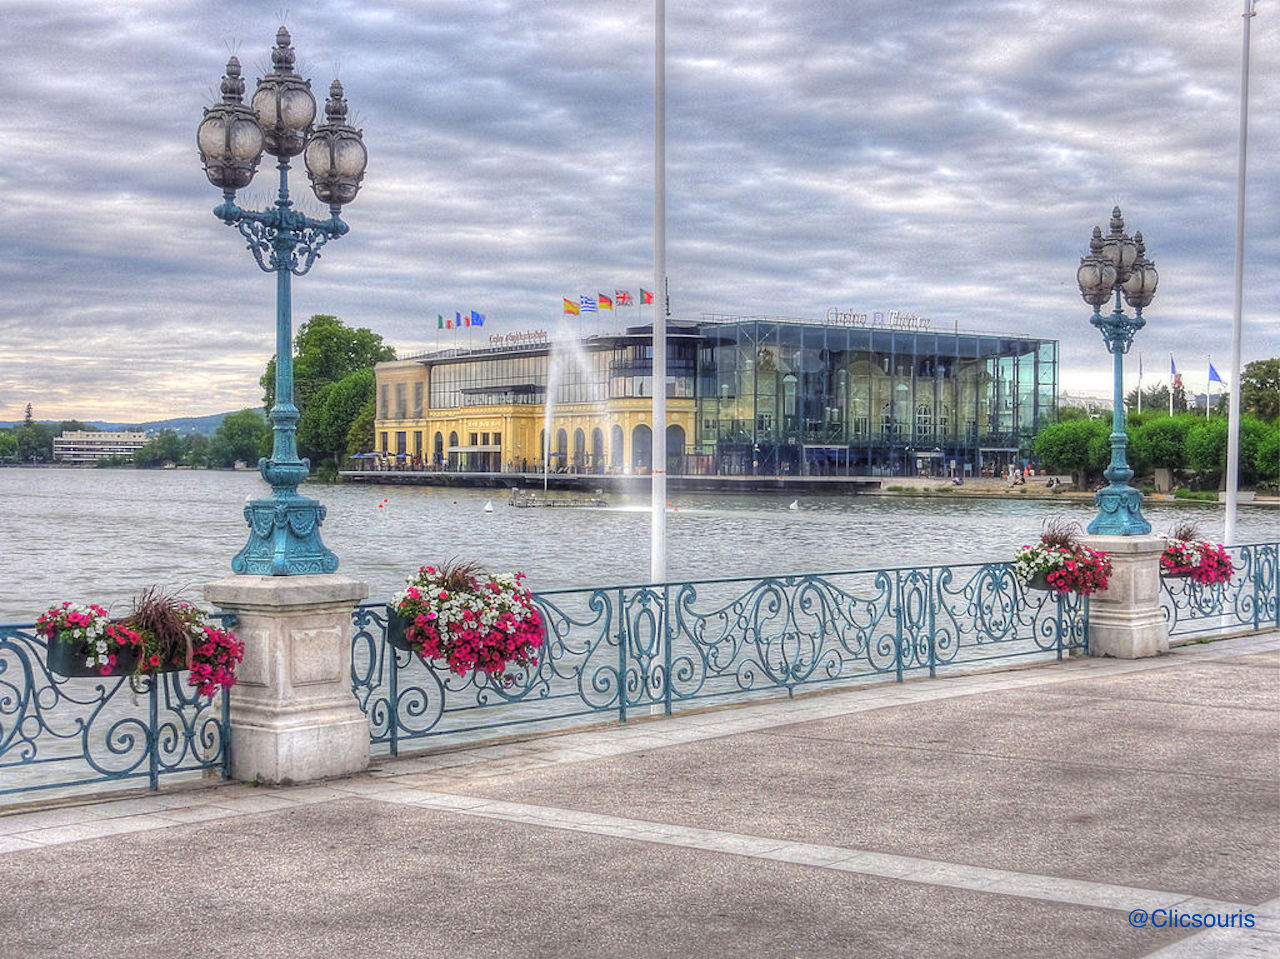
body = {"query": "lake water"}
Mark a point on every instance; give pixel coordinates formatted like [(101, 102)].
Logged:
[(105, 535)]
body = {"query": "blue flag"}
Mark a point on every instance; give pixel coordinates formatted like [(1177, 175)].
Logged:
[(1213, 376), (477, 319)]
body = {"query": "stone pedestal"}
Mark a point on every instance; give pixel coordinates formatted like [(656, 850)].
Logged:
[(1125, 619), (293, 715)]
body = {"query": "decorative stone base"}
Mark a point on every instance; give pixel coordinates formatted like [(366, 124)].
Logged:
[(293, 716), (1125, 619)]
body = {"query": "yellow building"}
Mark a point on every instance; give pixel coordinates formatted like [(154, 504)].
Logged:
[(484, 410)]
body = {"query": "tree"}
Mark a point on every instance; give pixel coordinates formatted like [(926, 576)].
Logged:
[(322, 433), (243, 436), (1267, 459), (325, 350), (165, 447), (8, 446), (1260, 389), (1207, 449), (28, 419), (1078, 446), (196, 451), (360, 436), (1160, 442)]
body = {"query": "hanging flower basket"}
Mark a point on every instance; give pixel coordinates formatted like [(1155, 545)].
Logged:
[(1059, 564), (468, 620), (161, 635), (1205, 563)]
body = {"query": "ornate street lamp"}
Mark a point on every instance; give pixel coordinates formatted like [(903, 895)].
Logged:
[(1117, 266), (284, 531)]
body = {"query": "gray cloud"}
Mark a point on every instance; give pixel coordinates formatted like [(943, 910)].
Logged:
[(945, 158)]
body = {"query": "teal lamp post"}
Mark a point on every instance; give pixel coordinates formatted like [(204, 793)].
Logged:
[(284, 530), (1117, 266)]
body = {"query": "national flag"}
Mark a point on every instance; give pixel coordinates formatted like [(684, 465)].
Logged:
[(457, 320), (477, 319), (623, 298), (605, 302), (439, 321), (645, 297), (571, 307), (1214, 377), (588, 304), (1173, 372)]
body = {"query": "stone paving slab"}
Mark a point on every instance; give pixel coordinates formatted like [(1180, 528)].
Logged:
[(362, 877), (1245, 685), (951, 780)]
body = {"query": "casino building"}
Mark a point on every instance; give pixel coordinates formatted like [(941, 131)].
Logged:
[(854, 396)]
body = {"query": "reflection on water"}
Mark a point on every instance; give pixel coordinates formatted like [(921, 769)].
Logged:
[(103, 535)]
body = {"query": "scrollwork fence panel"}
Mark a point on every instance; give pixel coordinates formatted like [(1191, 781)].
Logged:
[(1250, 600), (57, 732), (659, 648)]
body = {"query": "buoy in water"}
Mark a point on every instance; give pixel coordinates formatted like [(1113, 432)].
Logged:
[(488, 506), (795, 504)]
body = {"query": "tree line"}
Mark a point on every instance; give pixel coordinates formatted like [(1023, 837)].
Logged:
[(1192, 447)]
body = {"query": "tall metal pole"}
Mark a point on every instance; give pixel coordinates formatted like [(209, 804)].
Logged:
[(658, 468), (1233, 414)]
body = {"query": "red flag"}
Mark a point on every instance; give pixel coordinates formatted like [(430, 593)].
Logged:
[(571, 307), (623, 298), (645, 296)]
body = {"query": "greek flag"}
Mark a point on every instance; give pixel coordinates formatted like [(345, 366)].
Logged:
[(588, 304)]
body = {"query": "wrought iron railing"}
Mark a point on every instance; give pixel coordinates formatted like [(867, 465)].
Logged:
[(57, 732), (1250, 600), (615, 651)]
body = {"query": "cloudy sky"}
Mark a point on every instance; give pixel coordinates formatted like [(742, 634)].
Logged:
[(943, 158)]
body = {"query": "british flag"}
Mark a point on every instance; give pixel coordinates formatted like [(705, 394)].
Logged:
[(623, 298)]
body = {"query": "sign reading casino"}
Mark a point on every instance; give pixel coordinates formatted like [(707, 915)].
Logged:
[(880, 320)]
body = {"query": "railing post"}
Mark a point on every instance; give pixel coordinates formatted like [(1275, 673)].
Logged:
[(153, 733), (666, 650), (622, 656), (225, 735), (933, 639), (897, 610), (393, 690), (1057, 606)]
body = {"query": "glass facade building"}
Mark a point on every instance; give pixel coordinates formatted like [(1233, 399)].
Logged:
[(747, 396)]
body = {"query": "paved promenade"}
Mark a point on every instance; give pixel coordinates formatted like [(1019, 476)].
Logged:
[(1022, 813)]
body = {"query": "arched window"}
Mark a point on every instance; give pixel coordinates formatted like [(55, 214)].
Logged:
[(641, 448)]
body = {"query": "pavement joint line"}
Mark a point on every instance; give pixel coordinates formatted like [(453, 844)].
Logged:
[(933, 872)]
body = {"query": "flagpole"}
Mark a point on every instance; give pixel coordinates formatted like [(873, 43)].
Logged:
[(1208, 389), (1139, 383), (1172, 378), (658, 466), (1233, 407)]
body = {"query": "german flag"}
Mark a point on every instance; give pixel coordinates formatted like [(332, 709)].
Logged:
[(571, 307), (605, 302)]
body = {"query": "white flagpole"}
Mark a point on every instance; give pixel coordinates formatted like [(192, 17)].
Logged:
[(1139, 382), (1233, 407), (658, 467), (1208, 389)]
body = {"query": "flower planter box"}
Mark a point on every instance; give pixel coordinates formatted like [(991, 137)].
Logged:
[(70, 659), (1040, 581), (396, 626), (1177, 574)]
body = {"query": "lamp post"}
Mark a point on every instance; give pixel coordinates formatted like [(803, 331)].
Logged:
[(1117, 266), (284, 530)]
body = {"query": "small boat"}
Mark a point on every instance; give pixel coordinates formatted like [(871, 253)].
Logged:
[(795, 504), (488, 506), (524, 500)]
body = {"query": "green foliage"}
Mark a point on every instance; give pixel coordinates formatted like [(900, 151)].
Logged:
[(325, 350), (1202, 495), (1155, 399), (1077, 446), (1068, 413), (35, 440), (1260, 389), (360, 435), (243, 436), (322, 433), (8, 445), (166, 447), (1207, 449), (1266, 460), (1159, 442)]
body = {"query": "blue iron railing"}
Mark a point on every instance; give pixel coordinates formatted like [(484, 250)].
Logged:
[(1250, 600), (57, 732), (611, 651)]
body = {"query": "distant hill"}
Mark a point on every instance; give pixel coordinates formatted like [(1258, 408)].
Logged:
[(179, 424)]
